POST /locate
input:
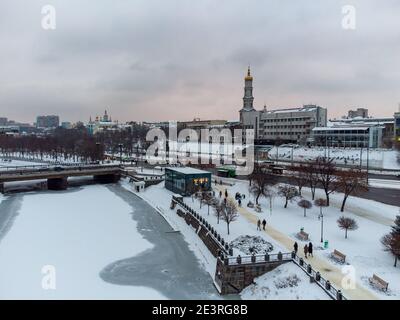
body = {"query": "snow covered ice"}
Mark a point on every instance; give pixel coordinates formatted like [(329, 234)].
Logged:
[(83, 233)]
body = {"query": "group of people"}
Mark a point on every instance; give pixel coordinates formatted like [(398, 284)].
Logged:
[(308, 249), (259, 223), (239, 198)]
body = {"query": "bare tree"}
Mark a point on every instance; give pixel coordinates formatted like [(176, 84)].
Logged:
[(346, 224), (391, 241), (311, 177), (288, 192), (208, 199), (326, 175), (351, 182), (260, 185), (299, 177), (229, 212), (305, 204), (321, 203), (218, 207)]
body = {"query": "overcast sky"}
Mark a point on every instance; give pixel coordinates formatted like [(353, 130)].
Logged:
[(180, 59)]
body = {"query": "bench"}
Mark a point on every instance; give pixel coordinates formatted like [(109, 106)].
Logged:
[(303, 236), (379, 283), (337, 255)]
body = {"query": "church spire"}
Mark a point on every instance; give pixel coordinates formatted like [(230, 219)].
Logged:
[(248, 91)]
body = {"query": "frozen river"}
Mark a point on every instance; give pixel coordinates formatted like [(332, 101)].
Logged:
[(102, 242)]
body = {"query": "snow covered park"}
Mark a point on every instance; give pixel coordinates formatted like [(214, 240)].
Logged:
[(363, 249), (283, 283), (377, 158)]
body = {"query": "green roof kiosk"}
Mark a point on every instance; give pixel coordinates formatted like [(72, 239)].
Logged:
[(186, 181)]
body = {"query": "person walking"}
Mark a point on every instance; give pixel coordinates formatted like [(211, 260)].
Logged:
[(264, 223), (240, 202), (295, 247), (220, 194), (305, 251), (226, 193), (258, 225), (310, 249)]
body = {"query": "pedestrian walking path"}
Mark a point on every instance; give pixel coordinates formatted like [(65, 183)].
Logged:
[(327, 270)]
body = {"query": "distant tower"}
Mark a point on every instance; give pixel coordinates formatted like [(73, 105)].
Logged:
[(105, 117), (248, 92)]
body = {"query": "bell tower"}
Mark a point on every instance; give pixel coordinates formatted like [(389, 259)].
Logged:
[(248, 91)]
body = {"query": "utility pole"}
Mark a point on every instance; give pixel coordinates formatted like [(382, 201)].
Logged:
[(120, 153)]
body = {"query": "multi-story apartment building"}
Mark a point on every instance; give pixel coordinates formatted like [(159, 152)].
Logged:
[(47, 121), (279, 125)]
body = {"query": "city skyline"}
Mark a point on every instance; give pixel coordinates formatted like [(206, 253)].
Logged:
[(154, 62)]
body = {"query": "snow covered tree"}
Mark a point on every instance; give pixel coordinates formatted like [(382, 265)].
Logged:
[(321, 203), (326, 175), (351, 182), (346, 224), (229, 212), (311, 176), (299, 176), (260, 186), (208, 199), (391, 241), (305, 204), (288, 192), (218, 207)]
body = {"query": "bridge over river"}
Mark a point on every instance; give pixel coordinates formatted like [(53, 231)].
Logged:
[(57, 177)]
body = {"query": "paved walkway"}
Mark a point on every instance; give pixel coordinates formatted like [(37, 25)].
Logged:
[(327, 270)]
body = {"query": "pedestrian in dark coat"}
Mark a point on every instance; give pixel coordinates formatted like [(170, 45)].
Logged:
[(220, 194), (226, 193), (295, 247), (310, 249), (305, 251), (259, 225), (240, 202), (264, 223)]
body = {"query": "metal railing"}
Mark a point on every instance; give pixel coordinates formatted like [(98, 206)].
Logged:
[(218, 239), (325, 284), (264, 258), (226, 256)]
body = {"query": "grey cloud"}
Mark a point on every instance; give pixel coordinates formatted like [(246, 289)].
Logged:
[(177, 59)]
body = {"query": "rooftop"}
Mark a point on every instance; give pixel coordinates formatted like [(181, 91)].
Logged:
[(187, 170), (339, 128), (290, 110)]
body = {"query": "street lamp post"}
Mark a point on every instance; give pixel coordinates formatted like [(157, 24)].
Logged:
[(98, 150), (120, 153), (367, 164), (321, 216), (292, 155)]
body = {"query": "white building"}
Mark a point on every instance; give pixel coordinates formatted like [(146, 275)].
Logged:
[(279, 125), (348, 136)]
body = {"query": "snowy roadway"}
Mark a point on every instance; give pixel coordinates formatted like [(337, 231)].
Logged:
[(387, 184)]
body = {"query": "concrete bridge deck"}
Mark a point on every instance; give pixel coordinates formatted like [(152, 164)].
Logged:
[(58, 173)]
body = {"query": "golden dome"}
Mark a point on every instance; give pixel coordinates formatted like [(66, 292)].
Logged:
[(248, 77)]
